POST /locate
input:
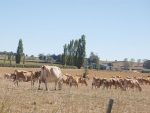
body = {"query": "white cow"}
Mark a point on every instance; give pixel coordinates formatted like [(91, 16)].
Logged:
[(50, 74)]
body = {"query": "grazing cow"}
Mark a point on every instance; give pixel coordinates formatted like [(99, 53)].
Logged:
[(140, 80), (132, 83), (106, 83), (51, 74), (116, 81), (146, 80), (21, 75), (65, 79), (96, 82), (72, 81), (81, 79)]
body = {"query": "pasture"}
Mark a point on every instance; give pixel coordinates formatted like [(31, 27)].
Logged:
[(27, 99)]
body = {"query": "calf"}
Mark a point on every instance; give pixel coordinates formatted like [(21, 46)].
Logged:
[(35, 77)]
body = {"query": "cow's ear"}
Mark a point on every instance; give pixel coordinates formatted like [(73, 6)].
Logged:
[(43, 67)]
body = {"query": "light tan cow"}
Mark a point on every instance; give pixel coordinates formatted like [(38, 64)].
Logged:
[(51, 74), (132, 83)]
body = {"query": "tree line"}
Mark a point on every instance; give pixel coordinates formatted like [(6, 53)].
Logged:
[(74, 52)]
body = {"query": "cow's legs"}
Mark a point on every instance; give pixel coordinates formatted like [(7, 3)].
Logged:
[(56, 85), (32, 83), (46, 85), (39, 81), (58, 82), (16, 82)]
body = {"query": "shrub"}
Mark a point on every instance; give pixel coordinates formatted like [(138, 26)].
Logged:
[(146, 71)]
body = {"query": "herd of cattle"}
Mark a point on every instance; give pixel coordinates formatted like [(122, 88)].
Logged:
[(53, 74)]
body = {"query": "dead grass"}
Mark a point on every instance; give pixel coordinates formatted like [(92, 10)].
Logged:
[(24, 99)]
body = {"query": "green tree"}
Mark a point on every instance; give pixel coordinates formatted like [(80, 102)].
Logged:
[(19, 52), (74, 52), (144, 60), (41, 56), (110, 64), (76, 43), (138, 62), (59, 59), (10, 60), (81, 51), (9, 55), (126, 64), (132, 62), (93, 58), (98, 65), (86, 72), (70, 48), (64, 55), (5, 58), (24, 59)]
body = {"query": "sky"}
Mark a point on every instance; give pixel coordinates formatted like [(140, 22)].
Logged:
[(114, 29)]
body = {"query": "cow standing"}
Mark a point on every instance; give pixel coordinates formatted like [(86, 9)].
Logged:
[(51, 74), (20, 75)]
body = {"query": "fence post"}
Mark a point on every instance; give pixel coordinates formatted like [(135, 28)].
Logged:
[(110, 104)]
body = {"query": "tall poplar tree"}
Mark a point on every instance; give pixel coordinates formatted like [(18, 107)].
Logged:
[(64, 55), (75, 52), (19, 52), (81, 51)]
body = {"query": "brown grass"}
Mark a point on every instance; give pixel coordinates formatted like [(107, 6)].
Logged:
[(24, 99)]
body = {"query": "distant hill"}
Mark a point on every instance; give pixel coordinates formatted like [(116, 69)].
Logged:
[(119, 64)]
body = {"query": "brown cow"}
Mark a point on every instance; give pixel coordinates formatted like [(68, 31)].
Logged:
[(81, 79), (73, 81), (106, 83), (97, 82), (65, 78), (21, 75), (35, 77)]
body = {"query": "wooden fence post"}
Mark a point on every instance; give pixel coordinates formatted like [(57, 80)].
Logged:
[(110, 104)]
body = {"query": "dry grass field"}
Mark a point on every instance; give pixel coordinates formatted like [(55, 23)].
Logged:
[(27, 99)]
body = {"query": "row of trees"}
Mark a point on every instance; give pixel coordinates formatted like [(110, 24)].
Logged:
[(51, 58), (93, 61), (75, 52), (17, 56), (127, 64)]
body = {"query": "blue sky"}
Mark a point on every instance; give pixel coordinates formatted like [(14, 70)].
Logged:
[(114, 29)]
